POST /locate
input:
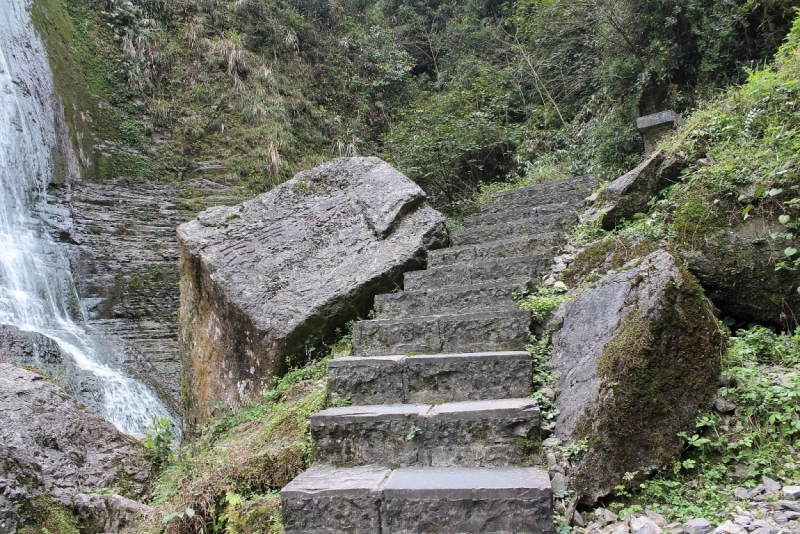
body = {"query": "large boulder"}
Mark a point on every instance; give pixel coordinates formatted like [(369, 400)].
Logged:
[(630, 193), (636, 355), (265, 279), (57, 452), (736, 266)]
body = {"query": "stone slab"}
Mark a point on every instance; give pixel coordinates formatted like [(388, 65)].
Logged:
[(364, 381), (451, 300), (478, 272), (466, 434), (662, 119), (574, 189), (475, 332), (504, 500), (430, 378), (543, 243), (514, 228), (324, 500), (370, 500), (585, 181), (527, 212)]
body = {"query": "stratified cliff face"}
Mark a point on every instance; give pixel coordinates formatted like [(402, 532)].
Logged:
[(120, 238), (262, 280), (125, 259)]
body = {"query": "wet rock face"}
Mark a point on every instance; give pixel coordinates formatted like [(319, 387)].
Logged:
[(51, 444), (636, 355), (262, 279), (736, 267), (37, 350)]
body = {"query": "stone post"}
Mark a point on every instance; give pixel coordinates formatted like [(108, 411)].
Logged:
[(654, 127)]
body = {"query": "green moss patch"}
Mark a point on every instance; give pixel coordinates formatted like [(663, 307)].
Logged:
[(45, 515)]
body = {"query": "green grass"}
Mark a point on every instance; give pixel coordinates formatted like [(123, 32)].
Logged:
[(230, 475)]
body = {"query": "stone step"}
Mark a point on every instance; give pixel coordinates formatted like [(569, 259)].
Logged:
[(491, 296), (554, 222), (506, 248), (477, 272), (484, 433), (373, 500), (526, 213), (434, 334), (430, 378), (568, 190)]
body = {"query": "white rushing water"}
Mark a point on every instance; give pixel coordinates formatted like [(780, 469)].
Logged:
[(37, 292)]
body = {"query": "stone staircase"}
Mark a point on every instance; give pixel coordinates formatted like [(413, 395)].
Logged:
[(440, 431)]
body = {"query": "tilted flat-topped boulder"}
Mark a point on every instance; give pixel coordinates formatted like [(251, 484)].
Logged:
[(263, 278)]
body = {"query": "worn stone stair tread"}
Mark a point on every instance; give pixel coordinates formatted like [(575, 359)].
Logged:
[(571, 189), (461, 482), (370, 500), (448, 410), (527, 213), (514, 228), (433, 334), (477, 272), (431, 378), (555, 186), (482, 433), (328, 481), (488, 296), (543, 243)]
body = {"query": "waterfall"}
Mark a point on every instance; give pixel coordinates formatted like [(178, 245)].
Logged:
[(37, 291)]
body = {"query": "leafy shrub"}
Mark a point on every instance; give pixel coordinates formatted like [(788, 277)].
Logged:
[(763, 372), (159, 440)]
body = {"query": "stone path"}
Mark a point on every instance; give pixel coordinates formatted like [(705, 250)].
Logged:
[(440, 429)]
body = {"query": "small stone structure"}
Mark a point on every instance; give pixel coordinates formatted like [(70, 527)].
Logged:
[(654, 127)]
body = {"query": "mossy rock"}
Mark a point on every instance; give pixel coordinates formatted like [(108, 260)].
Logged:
[(736, 265), (636, 355)]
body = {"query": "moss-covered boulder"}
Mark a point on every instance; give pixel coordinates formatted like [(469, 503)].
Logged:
[(636, 355), (736, 261)]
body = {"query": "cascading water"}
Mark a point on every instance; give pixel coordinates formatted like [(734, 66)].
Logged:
[(37, 292)]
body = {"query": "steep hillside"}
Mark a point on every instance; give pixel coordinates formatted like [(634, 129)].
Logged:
[(247, 93)]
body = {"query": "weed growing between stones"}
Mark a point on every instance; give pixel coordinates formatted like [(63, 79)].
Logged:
[(542, 302)]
